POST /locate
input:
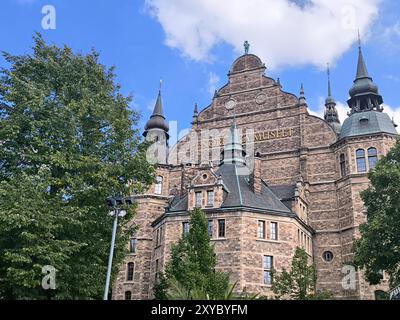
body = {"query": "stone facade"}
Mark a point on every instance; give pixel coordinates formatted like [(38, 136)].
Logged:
[(292, 157)]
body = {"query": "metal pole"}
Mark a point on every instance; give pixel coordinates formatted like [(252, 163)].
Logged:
[(110, 258)]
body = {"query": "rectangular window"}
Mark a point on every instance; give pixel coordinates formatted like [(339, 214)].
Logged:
[(210, 198), (132, 245), (261, 230), (157, 237), (157, 270), (221, 228), (268, 266), (361, 163), (198, 199), (158, 187), (185, 226), (274, 231), (130, 271), (210, 228), (342, 165)]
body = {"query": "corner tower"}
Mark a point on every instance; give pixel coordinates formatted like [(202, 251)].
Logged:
[(156, 131)]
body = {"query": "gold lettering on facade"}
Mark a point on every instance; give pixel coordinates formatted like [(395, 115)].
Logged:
[(258, 137)]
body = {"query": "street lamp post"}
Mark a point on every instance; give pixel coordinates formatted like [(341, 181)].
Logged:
[(115, 212)]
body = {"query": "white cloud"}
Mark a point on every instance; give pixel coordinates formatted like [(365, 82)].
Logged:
[(213, 80), (393, 113), (390, 37), (281, 32)]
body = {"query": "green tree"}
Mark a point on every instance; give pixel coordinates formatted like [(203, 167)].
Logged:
[(379, 246), (192, 265), (300, 282), (67, 142)]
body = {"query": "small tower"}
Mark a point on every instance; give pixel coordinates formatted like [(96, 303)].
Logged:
[(331, 114), (364, 94), (302, 97), (233, 152), (195, 114), (156, 131)]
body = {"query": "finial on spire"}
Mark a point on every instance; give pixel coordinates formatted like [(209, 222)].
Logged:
[(160, 87), (359, 39), (246, 47), (196, 110), (329, 80), (302, 90)]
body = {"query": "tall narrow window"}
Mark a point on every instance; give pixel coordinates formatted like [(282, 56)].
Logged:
[(221, 228), (210, 198), (128, 295), (158, 187), (199, 199), (185, 226), (130, 271), (361, 164), (372, 158), (157, 270), (267, 266), (261, 230), (210, 228), (132, 245), (342, 165), (274, 231)]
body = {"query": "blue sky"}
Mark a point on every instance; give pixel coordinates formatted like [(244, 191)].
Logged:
[(191, 44)]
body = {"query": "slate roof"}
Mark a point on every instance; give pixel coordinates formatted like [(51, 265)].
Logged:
[(368, 122), (241, 194)]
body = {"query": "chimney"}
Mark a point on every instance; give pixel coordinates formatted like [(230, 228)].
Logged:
[(256, 176)]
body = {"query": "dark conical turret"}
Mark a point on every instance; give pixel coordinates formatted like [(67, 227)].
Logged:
[(364, 94), (157, 119), (331, 114), (156, 131)]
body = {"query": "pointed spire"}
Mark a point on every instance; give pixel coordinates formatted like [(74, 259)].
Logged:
[(233, 152), (364, 93), (157, 119), (329, 82), (362, 71), (331, 114), (302, 97), (158, 108), (195, 113)]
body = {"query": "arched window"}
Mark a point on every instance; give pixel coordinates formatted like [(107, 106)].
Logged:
[(342, 165), (361, 163), (130, 271), (372, 158), (158, 187), (128, 295)]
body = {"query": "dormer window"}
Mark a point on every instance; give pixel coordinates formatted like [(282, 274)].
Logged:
[(158, 186), (198, 199), (210, 198)]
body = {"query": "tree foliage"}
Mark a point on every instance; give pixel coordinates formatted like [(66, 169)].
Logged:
[(300, 282), (378, 248), (191, 268), (67, 142)]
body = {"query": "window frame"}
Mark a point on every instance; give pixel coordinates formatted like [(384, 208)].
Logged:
[(210, 227), (210, 204), (274, 231), (126, 295), (159, 185), (222, 222), (131, 246), (267, 269), (342, 163), (372, 156), (261, 229), (130, 272), (198, 201), (361, 158), (185, 228)]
